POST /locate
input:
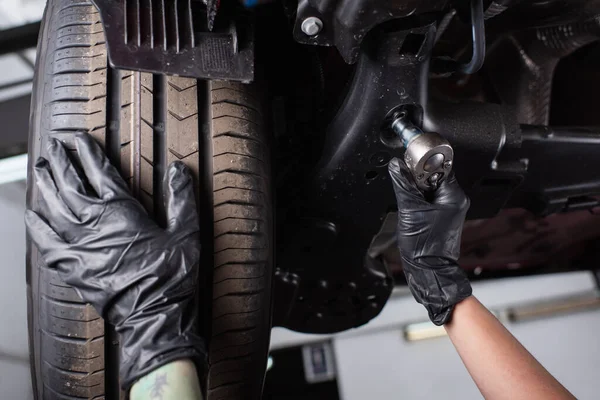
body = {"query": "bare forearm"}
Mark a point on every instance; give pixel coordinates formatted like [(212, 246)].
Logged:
[(500, 366), (177, 380)]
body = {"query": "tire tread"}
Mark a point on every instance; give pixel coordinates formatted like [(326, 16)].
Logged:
[(241, 229), (71, 332)]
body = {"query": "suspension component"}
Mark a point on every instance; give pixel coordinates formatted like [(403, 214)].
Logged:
[(428, 155)]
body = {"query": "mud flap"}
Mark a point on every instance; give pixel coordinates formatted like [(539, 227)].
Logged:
[(173, 38)]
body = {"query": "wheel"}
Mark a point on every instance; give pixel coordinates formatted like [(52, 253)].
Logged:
[(144, 122)]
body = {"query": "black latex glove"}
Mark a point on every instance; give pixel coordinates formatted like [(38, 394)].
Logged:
[(429, 235), (138, 276)]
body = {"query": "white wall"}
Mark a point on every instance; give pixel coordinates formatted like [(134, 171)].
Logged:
[(15, 379), (18, 12)]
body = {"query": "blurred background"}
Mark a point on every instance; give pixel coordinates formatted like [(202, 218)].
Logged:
[(19, 26), (397, 355)]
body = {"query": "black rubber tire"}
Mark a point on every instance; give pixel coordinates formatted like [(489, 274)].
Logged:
[(144, 122)]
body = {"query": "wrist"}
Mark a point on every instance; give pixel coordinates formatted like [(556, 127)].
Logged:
[(152, 356), (150, 341), (177, 380), (461, 307)]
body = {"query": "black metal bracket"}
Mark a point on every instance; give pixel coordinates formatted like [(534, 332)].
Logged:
[(562, 172), (347, 22), (173, 38), (323, 248)]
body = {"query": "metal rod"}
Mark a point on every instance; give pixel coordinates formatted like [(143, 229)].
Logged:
[(20, 38), (575, 134), (478, 33), (23, 57), (13, 84), (444, 23)]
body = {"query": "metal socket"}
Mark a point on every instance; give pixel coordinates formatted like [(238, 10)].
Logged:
[(426, 155)]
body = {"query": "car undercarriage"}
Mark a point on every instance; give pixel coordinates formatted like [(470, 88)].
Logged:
[(510, 84)]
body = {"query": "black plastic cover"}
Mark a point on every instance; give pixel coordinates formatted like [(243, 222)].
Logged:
[(162, 36)]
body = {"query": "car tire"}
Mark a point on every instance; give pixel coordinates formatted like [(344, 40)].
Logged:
[(144, 122)]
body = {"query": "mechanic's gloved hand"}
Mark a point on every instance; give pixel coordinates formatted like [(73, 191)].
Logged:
[(138, 276), (429, 240)]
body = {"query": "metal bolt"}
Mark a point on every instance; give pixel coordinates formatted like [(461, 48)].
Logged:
[(404, 128), (434, 178), (447, 164), (311, 26)]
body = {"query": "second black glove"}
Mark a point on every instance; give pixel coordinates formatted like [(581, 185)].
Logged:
[(429, 235)]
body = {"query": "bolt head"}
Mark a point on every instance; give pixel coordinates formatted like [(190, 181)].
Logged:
[(311, 26), (447, 164), (434, 178)]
